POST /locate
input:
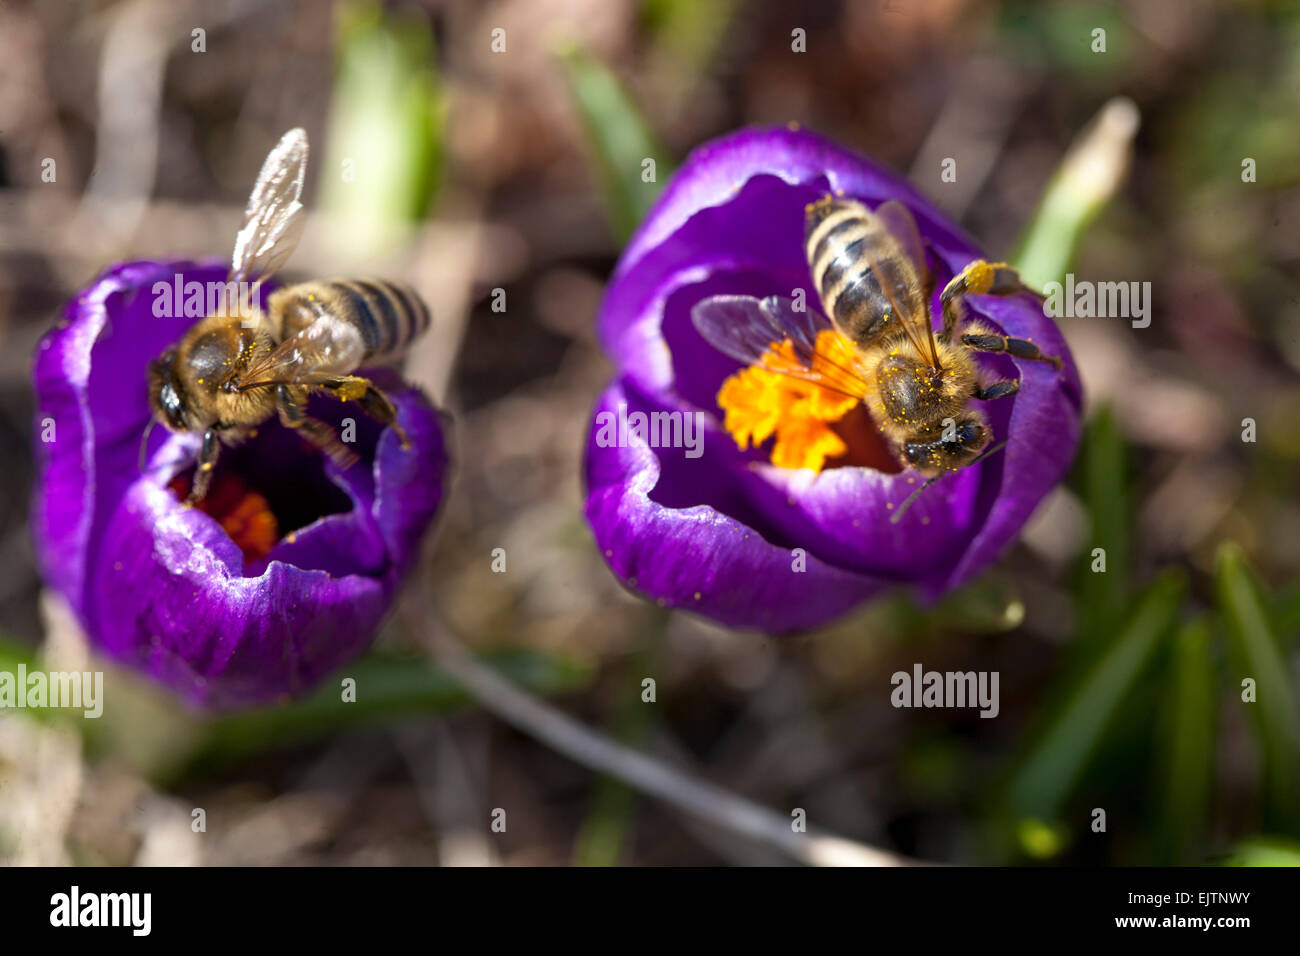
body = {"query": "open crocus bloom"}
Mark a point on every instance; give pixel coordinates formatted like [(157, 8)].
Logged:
[(284, 572), (793, 532)]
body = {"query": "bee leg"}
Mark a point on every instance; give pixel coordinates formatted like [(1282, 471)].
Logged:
[(978, 278), (313, 429), (373, 402), (1002, 389), (208, 453), (1019, 348)]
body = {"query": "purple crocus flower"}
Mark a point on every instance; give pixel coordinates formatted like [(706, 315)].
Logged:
[(717, 528), (284, 573)]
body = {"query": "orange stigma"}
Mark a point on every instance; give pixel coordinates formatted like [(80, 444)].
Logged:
[(760, 403), (243, 513)]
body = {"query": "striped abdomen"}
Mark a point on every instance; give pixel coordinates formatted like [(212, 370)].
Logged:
[(388, 315), (842, 238)]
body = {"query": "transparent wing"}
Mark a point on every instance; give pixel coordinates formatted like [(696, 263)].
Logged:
[(748, 330), (899, 221), (274, 219), (897, 258), (323, 351)]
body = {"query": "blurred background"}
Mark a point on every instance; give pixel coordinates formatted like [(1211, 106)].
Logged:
[(520, 171)]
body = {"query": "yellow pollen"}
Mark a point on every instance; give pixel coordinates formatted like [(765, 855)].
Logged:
[(979, 277), (819, 204), (350, 391), (760, 403)]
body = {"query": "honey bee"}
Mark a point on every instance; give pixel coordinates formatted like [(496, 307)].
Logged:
[(869, 269), (229, 373)]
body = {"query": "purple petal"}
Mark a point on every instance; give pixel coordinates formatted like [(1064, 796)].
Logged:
[(170, 599), (731, 221), (697, 556), (163, 587), (89, 375)]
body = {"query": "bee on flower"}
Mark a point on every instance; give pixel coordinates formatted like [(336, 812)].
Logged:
[(790, 290)]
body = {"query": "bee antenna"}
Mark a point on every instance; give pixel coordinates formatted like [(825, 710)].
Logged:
[(912, 497), (992, 451), (144, 442), (929, 481)]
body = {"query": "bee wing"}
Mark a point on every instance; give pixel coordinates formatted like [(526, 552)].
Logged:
[(897, 258), (746, 329), (901, 224), (320, 353), (273, 220)]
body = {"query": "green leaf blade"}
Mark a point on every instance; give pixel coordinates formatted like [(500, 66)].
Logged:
[(1255, 653), (1090, 174), (624, 150), (389, 688), (384, 151), (1187, 744), (1071, 737)]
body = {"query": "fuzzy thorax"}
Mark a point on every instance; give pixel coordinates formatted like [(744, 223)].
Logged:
[(908, 399)]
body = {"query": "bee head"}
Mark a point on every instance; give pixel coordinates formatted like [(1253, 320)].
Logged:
[(165, 393), (953, 446)]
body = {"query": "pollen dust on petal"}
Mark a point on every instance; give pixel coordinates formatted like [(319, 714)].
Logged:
[(243, 513), (760, 403)]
